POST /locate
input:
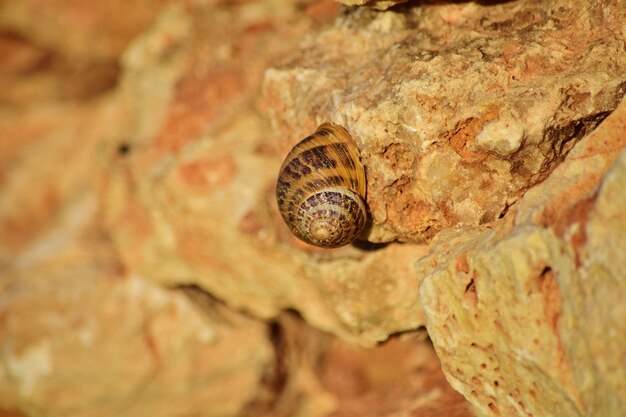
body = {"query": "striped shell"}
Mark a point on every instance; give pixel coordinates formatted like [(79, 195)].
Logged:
[(321, 188)]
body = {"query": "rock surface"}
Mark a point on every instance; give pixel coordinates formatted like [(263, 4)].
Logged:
[(144, 267), (81, 337), (514, 310), (458, 109), (376, 4), (195, 193), (92, 322)]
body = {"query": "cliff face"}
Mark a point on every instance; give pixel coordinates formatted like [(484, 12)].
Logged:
[(144, 268)]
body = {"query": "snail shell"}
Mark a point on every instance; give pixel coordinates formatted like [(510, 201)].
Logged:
[(321, 188)]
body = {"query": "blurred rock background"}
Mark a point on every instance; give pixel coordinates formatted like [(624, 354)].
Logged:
[(145, 270)]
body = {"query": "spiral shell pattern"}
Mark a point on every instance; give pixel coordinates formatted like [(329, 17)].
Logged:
[(321, 188)]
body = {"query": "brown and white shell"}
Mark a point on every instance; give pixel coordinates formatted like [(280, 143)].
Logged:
[(321, 188)]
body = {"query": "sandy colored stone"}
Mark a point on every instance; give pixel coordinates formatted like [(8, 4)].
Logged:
[(58, 142), (52, 118), (128, 329), (528, 318), (98, 33), (80, 333), (376, 4), (80, 336), (144, 268), (320, 375), (457, 109), (193, 201)]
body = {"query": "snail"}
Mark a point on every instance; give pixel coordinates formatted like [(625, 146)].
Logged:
[(321, 188)]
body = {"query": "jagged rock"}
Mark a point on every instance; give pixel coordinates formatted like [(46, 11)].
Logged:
[(458, 109), (166, 158), (193, 201), (319, 375), (514, 312), (101, 314)]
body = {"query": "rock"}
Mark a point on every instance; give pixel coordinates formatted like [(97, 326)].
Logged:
[(458, 109), (59, 140), (52, 120), (98, 33), (79, 336), (140, 241), (323, 376), (114, 301), (376, 4), (194, 196), (514, 312)]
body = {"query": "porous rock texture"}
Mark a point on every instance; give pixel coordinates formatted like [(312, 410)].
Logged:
[(194, 201), (145, 270), (514, 311), (458, 109), (136, 175)]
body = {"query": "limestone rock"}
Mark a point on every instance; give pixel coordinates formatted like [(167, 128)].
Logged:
[(528, 318), (98, 32), (458, 109), (75, 162), (324, 376), (137, 211), (52, 120), (194, 196), (376, 4), (79, 336)]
